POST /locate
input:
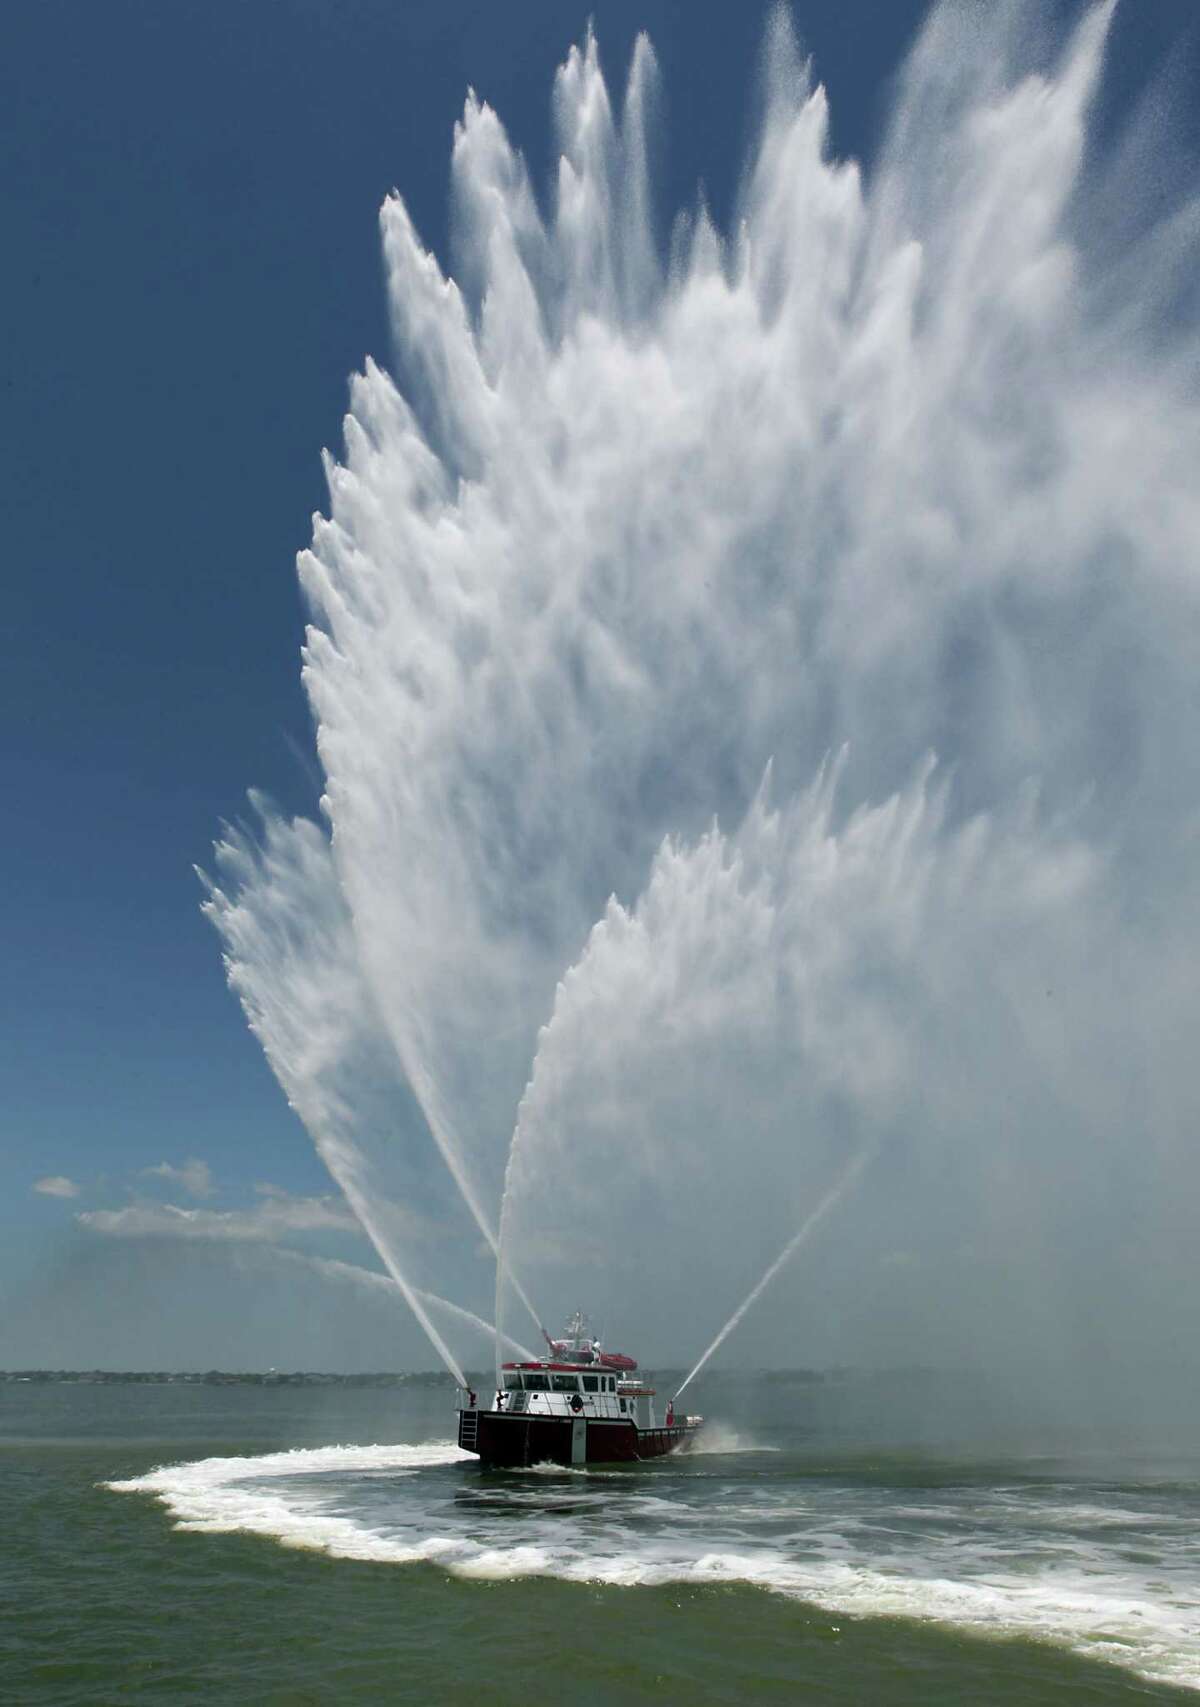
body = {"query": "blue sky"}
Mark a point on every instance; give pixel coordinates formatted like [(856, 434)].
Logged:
[(190, 208)]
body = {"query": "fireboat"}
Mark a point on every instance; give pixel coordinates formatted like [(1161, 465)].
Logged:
[(578, 1405)]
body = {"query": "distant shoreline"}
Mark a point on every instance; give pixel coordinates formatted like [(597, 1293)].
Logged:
[(366, 1378), (225, 1378)]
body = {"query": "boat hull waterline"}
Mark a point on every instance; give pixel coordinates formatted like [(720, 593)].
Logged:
[(511, 1441)]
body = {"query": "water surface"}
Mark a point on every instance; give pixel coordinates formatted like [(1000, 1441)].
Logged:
[(330, 1544)]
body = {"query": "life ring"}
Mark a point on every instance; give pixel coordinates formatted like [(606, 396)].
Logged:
[(576, 1402)]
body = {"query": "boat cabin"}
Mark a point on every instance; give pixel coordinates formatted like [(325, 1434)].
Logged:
[(552, 1389)]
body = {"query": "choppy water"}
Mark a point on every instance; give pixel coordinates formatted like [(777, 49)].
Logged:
[(211, 1544)]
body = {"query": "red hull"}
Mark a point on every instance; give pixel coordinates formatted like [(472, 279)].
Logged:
[(514, 1441)]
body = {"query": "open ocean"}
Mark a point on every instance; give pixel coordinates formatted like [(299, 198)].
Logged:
[(305, 1544)]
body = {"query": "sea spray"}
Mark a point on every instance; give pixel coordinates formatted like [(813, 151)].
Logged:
[(900, 470), (289, 956)]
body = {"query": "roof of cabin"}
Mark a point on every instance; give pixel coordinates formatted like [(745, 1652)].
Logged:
[(567, 1368)]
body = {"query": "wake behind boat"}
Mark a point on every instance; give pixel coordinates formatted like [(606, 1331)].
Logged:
[(579, 1405)]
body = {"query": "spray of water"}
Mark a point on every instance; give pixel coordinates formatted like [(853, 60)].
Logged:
[(289, 957), (352, 1274), (468, 1317), (594, 932), (800, 1238)]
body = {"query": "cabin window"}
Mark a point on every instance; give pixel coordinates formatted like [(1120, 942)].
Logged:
[(536, 1384), (511, 1379), (591, 1383), (622, 1404), (612, 1383), (564, 1383)]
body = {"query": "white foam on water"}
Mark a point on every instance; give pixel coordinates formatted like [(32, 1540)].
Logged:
[(995, 1562), (228, 1495), (550, 1469), (300, 1461)]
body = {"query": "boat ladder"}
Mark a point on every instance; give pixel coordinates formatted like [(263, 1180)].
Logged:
[(468, 1431)]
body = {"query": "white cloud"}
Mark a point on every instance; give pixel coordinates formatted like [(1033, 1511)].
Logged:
[(273, 1219), (57, 1185), (194, 1176)]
